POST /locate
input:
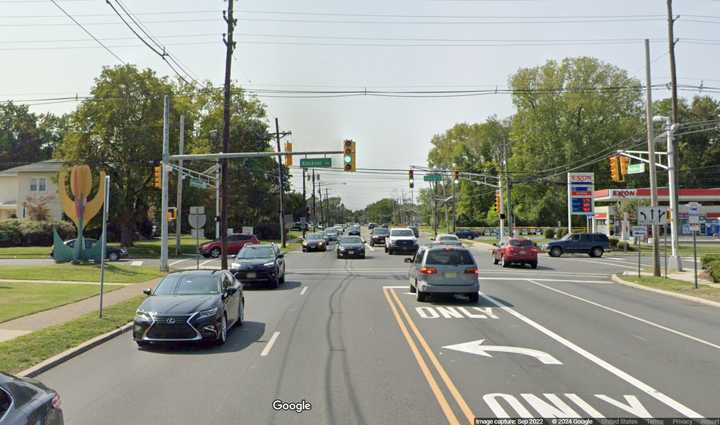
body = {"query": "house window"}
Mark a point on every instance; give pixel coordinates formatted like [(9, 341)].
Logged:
[(33, 185), (38, 184)]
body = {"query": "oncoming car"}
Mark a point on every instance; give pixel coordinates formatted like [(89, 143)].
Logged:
[(350, 246), (314, 242), (442, 269), (190, 306), (448, 239), (401, 240)]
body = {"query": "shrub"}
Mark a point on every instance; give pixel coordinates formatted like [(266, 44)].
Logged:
[(614, 243), (549, 233), (33, 233), (709, 258), (561, 232), (624, 245), (713, 269)]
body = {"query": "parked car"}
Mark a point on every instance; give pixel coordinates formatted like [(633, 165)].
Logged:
[(235, 243), (448, 239), (401, 239), (378, 236), (190, 306), (350, 246), (28, 401), (516, 251), (260, 264), (314, 242), (111, 253), (466, 234), (593, 244), (442, 269)]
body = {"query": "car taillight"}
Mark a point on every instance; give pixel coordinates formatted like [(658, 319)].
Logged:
[(428, 270), (56, 401), (472, 270)]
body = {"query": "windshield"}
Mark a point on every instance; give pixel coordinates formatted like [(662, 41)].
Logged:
[(350, 239), (402, 232), (188, 284), (380, 231), (250, 252), (454, 257), (447, 238), (566, 237), (314, 237), (521, 242)]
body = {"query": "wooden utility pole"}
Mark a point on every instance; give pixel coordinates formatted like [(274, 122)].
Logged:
[(280, 185), (651, 154), (229, 48)]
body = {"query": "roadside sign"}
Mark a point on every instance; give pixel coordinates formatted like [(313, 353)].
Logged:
[(651, 215), (695, 227), (432, 177), (197, 217), (638, 168), (694, 209), (693, 219), (198, 184), (580, 193), (316, 162), (198, 233), (247, 230), (639, 231), (197, 210)]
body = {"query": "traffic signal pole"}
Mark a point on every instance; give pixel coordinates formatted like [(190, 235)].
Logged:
[(280, 185), (164, 183), (651, 154)]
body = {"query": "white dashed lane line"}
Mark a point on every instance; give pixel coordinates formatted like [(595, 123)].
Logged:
[(270, 344)]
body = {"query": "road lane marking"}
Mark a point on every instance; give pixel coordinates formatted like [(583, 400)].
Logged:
[(177, 262), (434, 360), (622, 313), (434, 387), (447, 312), (304, 290), (477, 347), (604, 263), (370, 247), (269, 345), (136, 263), (607, 282), (679, 407), (207, 262)]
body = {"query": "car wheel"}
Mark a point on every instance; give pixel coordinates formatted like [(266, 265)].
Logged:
[(421, 296), (222, 335), (215, 252), (412, 289), (473, 297), (556, 252), (113, 256), (386, 249), (495, 261), (504, 263), (142, 344), (533, 264), (241, 314), (596, 252)]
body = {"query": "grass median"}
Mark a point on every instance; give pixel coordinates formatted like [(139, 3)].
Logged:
[(85, 272), (28, 350), (21, 299), (678, 286)]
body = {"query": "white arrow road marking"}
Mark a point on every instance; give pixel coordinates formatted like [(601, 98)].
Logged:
[(476, 347), (136, 263)]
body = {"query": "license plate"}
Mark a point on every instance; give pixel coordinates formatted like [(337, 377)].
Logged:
[(351, 252), (251, 275), (451, 274), (523, 252)]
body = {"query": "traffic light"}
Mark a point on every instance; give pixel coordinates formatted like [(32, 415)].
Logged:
[(157, 178), (411, 175), (349, 155), (456, 176), (615, 169), (624, 162), (498, 202), (288, 154), (171, 213)]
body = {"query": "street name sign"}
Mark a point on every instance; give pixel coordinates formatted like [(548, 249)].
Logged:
[(433, 177), (639, 231), (638, 168), (198, 184), (580, 193), (651, 215), (316, 162)]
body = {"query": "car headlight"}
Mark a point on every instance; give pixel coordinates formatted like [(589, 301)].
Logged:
[(270, 264), (207, 313), (144, 315), (320, 243), (342, 248), (304, 243)]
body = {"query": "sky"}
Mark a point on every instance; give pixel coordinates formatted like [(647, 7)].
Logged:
[(400, 45)]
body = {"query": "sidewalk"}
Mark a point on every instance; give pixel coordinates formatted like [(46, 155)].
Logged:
[(57, 316)]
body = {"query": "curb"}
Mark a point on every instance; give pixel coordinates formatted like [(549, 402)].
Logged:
[(58, 359), (617, 279)]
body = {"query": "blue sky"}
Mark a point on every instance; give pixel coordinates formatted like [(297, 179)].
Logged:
[(307, 45)]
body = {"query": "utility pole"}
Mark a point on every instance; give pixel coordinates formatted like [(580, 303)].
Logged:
[(164, 185), (508, 204), (304, 204), (178, 202), (673, 160), (327, 207), (230, 46), (280, 184), (322, 214), (314, 209), (651, 153)]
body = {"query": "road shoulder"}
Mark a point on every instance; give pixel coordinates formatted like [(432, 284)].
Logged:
[(619, 280)]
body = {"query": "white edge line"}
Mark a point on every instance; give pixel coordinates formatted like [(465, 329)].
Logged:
[(304, 290), (639, 319), (604, 263), (270, 344), (608, 282), (176, 262), (676, 405), (202, 264), (395, 287)]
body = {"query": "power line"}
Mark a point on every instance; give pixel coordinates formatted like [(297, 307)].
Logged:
[(87, 31)]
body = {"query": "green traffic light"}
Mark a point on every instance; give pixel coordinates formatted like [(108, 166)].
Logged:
[(347, 159)]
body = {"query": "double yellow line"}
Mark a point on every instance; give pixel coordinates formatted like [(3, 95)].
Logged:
[(397, 308)]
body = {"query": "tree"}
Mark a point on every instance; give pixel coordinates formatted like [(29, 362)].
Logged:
[(26, 137)]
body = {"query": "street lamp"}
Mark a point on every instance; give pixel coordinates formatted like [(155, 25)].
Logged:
[(672, 189)]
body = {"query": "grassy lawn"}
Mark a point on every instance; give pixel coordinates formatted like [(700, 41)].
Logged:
[(679, 286), (151, 248), (88, 273), (25, 252), (686, 250), (21, 299), (28, 350)]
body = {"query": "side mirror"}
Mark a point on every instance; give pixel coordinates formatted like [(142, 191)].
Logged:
[(408, 260), (230, 291), (281, 256), (147, 291), (495, 244)]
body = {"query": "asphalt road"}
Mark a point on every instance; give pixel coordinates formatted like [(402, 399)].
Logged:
[(347, 337)]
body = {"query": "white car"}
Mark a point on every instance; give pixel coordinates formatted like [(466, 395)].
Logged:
[(401, 239), (448, 239)]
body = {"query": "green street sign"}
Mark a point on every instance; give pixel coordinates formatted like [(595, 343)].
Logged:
[(638, 168), (198, 184), (316, 162), (433, 177)]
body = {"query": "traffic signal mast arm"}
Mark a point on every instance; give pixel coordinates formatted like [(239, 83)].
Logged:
[(636, 155)]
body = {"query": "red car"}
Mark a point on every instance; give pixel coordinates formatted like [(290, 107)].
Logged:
[(234, 242), (516, 251)]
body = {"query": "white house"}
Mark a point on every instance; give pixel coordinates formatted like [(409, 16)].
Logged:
[(30, 184)]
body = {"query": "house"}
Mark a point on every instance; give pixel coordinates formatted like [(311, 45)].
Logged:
[(27, 187)]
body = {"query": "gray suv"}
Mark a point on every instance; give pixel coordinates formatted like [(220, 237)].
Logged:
[(443, 269)]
